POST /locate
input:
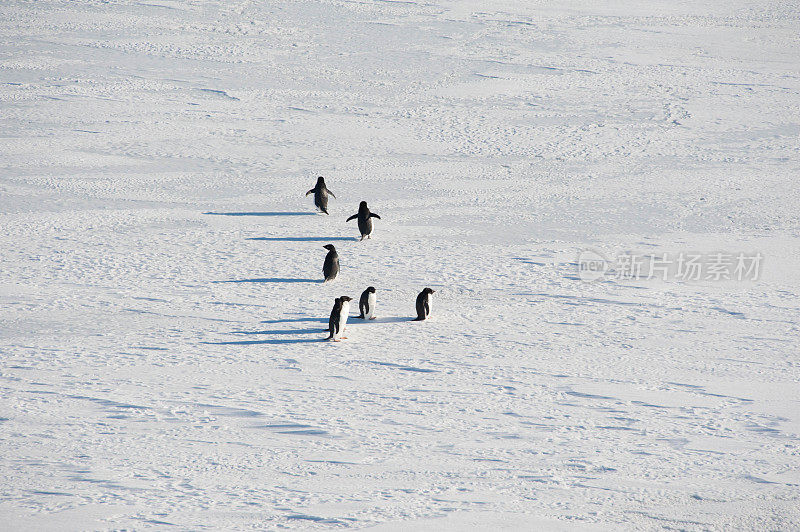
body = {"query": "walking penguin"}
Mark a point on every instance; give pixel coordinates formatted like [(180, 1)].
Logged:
[(424, 304), (366, 304), (364, 219), (321, 194), (330, 268), (338, 319), (333, 321)]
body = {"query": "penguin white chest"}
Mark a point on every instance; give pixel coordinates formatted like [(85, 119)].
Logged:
[(343, 316), (370, 306)]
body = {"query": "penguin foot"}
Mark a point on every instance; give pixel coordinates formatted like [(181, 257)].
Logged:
[(372, 318)]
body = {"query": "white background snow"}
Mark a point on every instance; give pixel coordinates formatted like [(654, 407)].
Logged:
[(162, 354)]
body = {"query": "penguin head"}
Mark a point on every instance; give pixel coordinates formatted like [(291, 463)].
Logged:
[(371, 289), (320, 180), (345, 298), (362, 206), (429, 291), (329, 247)]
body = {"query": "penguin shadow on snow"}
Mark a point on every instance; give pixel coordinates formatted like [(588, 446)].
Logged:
[(303, 238), (280, 331), (289, 213), (390, 319), (280, 334), (272, 280), (295, 320), (270, 340)]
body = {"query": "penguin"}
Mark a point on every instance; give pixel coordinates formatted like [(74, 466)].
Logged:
[(321, 194), (364, 219), (333, 321), (366, 304), (424, 304), (344, 313), (330, 268), (338, 319)]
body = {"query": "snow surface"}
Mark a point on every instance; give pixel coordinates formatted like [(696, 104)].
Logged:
[(162, 318)]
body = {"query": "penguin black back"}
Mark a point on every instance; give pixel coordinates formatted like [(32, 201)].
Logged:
[(424, 304), (364, 217), (330, 268), (321, 193), (333, 321), (366, 303)]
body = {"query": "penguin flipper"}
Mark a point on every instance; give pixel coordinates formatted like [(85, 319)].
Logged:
[(309, 192), (352, 218), (373, 215), (331, 193)]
